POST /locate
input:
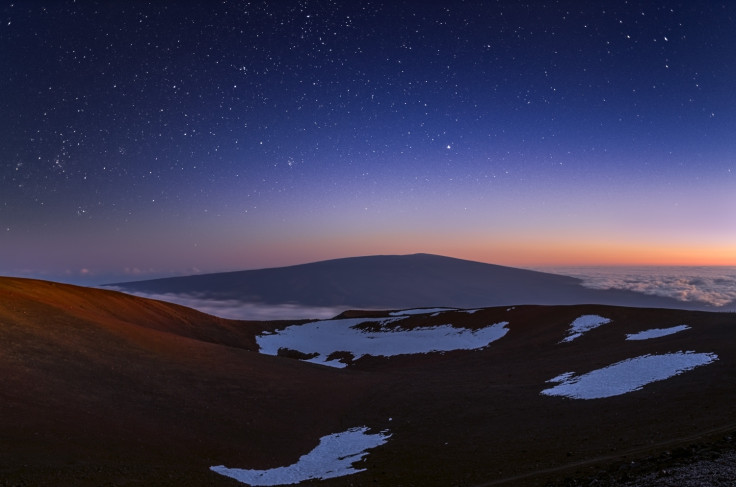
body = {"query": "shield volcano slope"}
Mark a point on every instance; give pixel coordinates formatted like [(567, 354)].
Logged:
[(480, 418), (101, 388), (394, 281)]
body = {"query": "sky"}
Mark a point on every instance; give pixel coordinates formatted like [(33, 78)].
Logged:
[(146, 139)]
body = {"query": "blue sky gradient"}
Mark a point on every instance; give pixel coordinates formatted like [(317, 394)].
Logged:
[(151, 139)]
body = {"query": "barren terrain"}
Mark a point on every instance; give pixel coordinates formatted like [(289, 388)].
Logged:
[(102, 388)]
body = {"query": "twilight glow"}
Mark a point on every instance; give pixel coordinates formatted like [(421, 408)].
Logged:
[(152, 139)]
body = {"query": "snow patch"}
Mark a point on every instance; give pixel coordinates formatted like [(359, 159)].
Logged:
[(333, 457), (561, 378), (420, 311), (656, 332), (327, 337), (583, 324), (626, 376)]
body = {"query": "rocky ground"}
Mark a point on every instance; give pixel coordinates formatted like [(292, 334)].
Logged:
[(700, 465), (100, 388), (719, 471)]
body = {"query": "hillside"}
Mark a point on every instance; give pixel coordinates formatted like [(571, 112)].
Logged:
[(99, 387), (102, 388), (394, 281)]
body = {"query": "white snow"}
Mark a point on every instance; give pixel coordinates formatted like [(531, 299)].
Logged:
[(561, 378), (656, 332), (333, 457), (626, 376), (583, 324), (470, 311), (420, 311), (433, 311), (326, 337)]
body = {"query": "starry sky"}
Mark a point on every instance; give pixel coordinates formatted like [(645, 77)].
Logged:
[(145, 139)]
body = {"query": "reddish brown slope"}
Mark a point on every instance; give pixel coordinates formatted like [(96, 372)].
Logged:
[(30, 302), (100, 387)]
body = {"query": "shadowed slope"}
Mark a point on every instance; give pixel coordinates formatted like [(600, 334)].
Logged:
[(395, 281)]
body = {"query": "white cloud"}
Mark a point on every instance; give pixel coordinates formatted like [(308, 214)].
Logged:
[(240, 310), (715, 286)]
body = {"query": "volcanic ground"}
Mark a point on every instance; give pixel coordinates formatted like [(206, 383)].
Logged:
[(103, 388)]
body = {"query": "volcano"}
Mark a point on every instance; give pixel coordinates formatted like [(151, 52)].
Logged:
[(395, 281), (105, 388)]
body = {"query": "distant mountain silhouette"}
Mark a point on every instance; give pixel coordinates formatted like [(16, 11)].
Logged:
[(396, 281)]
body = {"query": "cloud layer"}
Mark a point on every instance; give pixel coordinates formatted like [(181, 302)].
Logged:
[(239, 310), (711, 285), (715, 286)]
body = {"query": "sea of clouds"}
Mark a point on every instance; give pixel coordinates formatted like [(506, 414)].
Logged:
[(240, 310), (715, 286)]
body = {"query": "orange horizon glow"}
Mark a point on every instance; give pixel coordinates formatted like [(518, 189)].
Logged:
[(618, 255), (534, 251), (527, 253)]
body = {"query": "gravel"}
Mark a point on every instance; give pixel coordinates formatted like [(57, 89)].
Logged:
[(716, 472)]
